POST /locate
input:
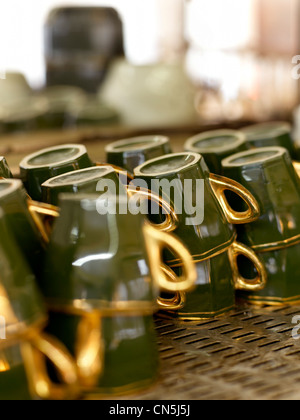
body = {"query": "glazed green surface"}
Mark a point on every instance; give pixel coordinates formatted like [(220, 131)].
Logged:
[(13, 380), (215, 291), (93, 256), (276, 186), (214, 230), (19, 221), (283, 274), (4, 169), (18, 282), (51, 191), (136, 155), (130, 343), (34, 177)]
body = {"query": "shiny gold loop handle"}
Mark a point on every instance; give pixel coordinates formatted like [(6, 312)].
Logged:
[(171, 220), (39, 210), (241, 283), (156, 242), (35, 353), (178, 301), (221, 184), (118, 170), (89, 351)]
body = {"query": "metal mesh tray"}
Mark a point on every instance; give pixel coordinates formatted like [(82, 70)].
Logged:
[(249, 354)]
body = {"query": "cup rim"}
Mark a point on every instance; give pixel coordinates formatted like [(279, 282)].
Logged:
[(121, 146), (239, 140), (25, 163), (268, 154), (104, 169), (13, 185), (277, 128), (138, 171)]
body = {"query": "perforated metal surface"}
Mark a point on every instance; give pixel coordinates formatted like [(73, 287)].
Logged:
[(247, 354)]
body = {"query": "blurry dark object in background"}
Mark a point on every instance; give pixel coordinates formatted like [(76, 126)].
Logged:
[(80, 42)]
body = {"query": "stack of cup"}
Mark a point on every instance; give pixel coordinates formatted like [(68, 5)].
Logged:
[(268, 173)]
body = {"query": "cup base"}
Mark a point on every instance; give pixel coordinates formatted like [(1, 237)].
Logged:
[(102, 393), (196, 316), (271, 301)]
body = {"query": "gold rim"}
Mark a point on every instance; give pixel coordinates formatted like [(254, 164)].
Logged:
[(39, 211), (198, 316), (276, 246), (272, 301)]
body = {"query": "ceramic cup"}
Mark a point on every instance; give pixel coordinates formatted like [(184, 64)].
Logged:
[(102, 278), (270, 176), (216, 145), (211, 239), (4, 168), (270, 134), (48, 163), (132, 152), (22, 216), (24, 348)]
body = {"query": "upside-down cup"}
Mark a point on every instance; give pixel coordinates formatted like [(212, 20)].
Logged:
[(103, 275), (47, 163), (24, 348)]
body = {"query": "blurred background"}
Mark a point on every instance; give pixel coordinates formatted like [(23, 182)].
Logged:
[(147, 64)]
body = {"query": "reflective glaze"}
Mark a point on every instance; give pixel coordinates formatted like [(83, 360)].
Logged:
[(14, 384), (215, 146), (271, 134), (132, 152), (21, 301), (82, 181), (48, 163), (283, 277), (13, 202), (268, 173), (130, 354), (4, 168), (211, 233)]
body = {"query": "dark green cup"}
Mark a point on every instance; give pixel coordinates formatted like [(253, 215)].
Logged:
[(37, 168), (270, 175), (22, 217), (82, 181), (215, 146), (270, 134), (24, 348), (205, 218), (211, 239), (4, 168), (132, 152), (219, 278), (102, 284)]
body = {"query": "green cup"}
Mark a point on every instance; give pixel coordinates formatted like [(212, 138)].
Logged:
[(24, 348), (22, 217), (216, 145), (211, 239), (4, 169), (37, 168), (132, 152), (82, 181), (270, 175), (270, 134), (102, 285)]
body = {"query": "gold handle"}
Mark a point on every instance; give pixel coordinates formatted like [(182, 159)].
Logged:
[(35, 354), (89, 350), (171, 220), (156, 241), (221, 184), (178, 301), (40, 211), (118, 170), (241, 283)]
